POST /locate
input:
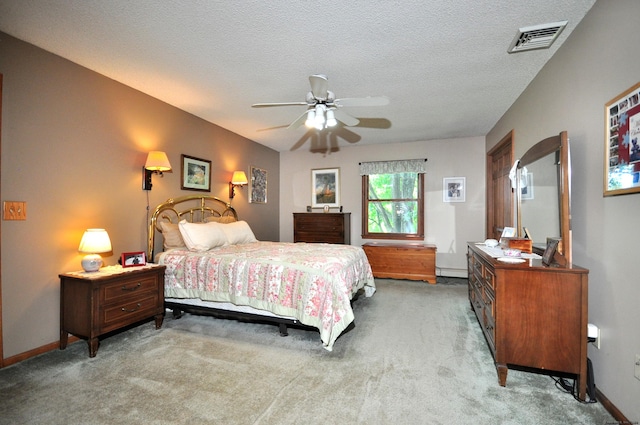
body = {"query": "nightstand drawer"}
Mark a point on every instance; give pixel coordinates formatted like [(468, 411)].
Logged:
[(128, 288), (114, 316)]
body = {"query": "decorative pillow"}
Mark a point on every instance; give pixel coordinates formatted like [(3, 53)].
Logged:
[(171, 237), (202, 236), (238, 232), (223, 219)]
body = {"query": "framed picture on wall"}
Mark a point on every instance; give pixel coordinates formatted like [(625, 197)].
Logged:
[(622, 143), (453, 189), (325, 187), (257, 185), (196, 174)]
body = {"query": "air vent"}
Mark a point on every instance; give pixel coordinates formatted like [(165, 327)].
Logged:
[(536, 37)]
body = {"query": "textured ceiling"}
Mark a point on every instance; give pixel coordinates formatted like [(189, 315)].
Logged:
[(443, 64)]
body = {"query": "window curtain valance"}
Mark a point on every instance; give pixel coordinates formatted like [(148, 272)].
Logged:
[(393, 167)]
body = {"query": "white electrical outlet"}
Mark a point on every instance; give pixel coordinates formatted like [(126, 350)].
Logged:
[(637, 372), (593, 332)]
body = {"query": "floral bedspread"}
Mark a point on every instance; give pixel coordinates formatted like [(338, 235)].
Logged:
[(313, 283)]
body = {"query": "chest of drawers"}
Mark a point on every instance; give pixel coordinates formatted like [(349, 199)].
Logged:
[(322, 227), (93, 304)]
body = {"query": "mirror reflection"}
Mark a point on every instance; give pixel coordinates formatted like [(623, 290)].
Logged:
[(543, 194), (539, 199)]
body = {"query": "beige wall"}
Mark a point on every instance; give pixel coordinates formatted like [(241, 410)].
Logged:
[(600, 59), (73, 146), (448, 225)]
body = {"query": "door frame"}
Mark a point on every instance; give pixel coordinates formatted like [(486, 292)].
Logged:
[(1, 346), (506, 142)]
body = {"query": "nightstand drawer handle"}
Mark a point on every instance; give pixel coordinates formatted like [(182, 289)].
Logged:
[(124, 287), (131, 311)]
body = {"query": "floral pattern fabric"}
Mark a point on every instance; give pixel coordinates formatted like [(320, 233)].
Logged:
[(313, 283)]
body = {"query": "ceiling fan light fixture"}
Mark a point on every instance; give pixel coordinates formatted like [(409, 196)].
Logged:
[(331, 118), (311, 121), (319, 120)]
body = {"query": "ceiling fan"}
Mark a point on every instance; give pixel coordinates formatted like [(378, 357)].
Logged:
[(323, 109)]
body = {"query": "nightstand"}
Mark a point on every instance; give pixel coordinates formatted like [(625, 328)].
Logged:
[(95, 303)]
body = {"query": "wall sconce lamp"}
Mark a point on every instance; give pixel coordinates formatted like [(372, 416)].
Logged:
[(93, 243), (157, 163), (239, 179)]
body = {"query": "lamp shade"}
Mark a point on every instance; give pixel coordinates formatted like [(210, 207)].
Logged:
[(239, 178), (157, 161)]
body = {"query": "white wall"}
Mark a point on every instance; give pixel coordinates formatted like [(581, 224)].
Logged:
[(598, 61), (448, 225)]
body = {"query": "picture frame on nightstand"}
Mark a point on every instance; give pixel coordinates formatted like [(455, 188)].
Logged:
[(133, 259)]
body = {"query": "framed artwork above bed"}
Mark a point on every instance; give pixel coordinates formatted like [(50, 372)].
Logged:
[(257, 185), (196, 174)]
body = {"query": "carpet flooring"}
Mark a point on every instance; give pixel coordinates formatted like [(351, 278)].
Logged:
[(416, 355)]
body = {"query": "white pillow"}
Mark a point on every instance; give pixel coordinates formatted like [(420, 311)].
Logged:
[(202, 236), (238, 232)]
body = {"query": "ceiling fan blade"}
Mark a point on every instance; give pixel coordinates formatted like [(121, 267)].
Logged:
[(363, 101), (267, 105), (298, 122), (345, 118), (319, 86)]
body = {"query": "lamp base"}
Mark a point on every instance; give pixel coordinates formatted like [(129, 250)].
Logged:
[(91, 263)]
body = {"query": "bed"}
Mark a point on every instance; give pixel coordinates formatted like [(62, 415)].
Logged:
[(215, 265)]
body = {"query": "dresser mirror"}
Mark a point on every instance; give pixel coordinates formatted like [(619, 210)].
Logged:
[(543, 195)]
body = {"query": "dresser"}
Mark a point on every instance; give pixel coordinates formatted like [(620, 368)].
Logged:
[(532, 316), (322, 227), (95, 303), (412, 261)]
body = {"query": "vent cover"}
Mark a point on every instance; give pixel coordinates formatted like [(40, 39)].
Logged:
[(536, 37)]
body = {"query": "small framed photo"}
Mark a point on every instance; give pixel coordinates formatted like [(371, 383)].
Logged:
[(196, 174), (257, 185), (547, 257), (526, 190), (325, 186), (133, 259), (508, 232), (453, 189)]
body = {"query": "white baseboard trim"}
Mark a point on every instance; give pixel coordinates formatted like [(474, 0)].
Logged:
[(451, 272)]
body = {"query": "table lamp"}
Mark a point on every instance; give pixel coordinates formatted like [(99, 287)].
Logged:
[(94, 242)]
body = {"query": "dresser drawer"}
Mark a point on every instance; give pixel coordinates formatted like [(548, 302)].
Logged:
[(489, 278), (320, 222)]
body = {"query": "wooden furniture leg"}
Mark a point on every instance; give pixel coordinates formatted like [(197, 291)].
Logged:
[(502, 373)]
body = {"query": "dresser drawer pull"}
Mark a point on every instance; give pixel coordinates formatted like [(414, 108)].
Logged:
[(131, 311), (124, 287)]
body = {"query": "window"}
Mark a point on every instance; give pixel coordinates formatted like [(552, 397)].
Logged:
[(393, 200)]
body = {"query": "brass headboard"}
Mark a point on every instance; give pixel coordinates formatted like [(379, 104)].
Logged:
[(193, 208)]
